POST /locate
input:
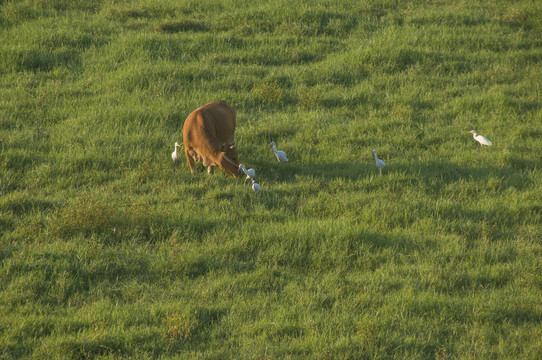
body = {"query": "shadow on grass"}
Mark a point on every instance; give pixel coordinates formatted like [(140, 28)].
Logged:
[(443, 172), (21, 205), (183, 26), (290, 171)]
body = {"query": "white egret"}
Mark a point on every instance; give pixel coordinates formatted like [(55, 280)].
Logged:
[(481, 139), (281, 155), (255, 186), (175, 154), (379, 163), (250, 173)]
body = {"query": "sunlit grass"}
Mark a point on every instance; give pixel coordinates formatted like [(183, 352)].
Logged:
[(108, 250)]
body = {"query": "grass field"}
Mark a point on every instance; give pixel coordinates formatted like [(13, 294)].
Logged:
[(109, 251)]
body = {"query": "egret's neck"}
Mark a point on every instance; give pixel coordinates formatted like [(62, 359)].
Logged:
[(376, 158)]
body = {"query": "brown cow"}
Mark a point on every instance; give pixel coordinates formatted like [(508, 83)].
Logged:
[(208, 137)]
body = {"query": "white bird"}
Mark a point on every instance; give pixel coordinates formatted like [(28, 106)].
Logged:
[(281, 155), (379, 163), (255, 186), (481, 139), (175, 154), (250, 172)]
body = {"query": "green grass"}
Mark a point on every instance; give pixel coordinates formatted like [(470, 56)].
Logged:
[(108, 251)]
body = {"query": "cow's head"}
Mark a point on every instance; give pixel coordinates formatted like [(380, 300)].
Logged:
[(229, 159)]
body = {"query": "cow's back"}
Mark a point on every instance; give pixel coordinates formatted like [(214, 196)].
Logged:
[(220, 120)]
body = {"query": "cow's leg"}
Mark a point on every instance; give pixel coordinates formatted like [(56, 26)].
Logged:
[(189, 159), (208, 164)]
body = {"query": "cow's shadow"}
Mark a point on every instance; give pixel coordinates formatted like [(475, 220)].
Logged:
[(289, 172), (438, 173), (434, 171)]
